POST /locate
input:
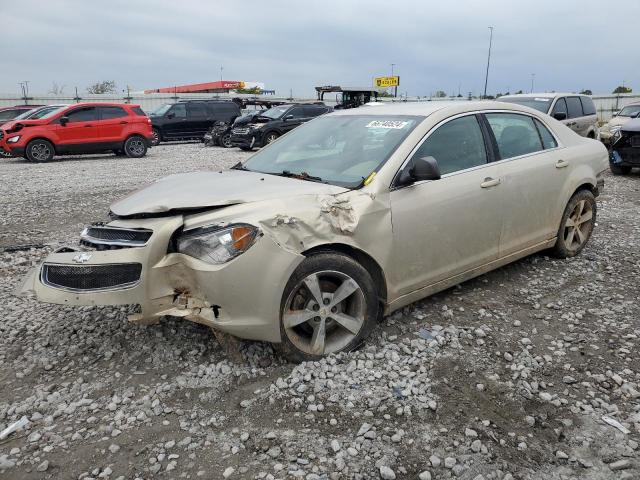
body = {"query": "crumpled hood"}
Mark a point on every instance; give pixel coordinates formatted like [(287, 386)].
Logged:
[(214, 189), (25, 123), (632, 126)]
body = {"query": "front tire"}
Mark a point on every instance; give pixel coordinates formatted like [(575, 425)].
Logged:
[(39, 150), (577, 224), (135, 147), (225, 141), (270, 137), (329, 305), (618, 170)]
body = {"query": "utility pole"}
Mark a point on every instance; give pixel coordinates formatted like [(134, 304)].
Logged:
[(221, 69), (486, 77), (533, 77), (395, 89)]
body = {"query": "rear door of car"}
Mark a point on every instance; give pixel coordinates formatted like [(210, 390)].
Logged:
[(442, 228), (312, 111), (534, 173), (113, 122), (577, 121), (81, 131), (590, 115), (198, 118)]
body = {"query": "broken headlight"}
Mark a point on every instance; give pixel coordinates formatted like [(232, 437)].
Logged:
[(215, 244)]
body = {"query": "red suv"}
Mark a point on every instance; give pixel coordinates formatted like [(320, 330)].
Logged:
[(79, 128)]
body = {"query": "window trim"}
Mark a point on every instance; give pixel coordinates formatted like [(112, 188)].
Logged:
[(553, 106), (559, 145), (84, 107), (579, 102)]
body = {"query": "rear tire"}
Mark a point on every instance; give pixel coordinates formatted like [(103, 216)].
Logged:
[(39, 150), (225, 141), (618, 170), (576, 226), (311, 324), (135, 147)]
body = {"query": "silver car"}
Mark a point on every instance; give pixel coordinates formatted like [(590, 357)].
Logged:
[(354, 215), (578, 112)]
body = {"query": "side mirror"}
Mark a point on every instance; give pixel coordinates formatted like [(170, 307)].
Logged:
[(64, 120), (171, 115), (616, 113), (421, 169), (560, 115), (288, 117)]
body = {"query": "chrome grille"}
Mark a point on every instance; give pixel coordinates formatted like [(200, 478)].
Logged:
[(83, 278), (635, 141), (98, 235), (240, 131)]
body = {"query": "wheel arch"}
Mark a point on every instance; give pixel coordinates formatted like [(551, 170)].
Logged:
[(360, 256), (42, 137)]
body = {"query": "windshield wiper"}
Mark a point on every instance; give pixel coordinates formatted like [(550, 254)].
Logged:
[(301, 176)]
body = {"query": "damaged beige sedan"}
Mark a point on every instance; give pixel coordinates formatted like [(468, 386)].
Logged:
[(341, 221)]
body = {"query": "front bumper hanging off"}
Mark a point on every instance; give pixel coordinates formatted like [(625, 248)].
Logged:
[(230, 297)]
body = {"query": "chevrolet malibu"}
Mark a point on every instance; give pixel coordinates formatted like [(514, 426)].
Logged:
[(353, 215)]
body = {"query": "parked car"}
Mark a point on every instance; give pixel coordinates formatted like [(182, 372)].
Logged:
[(220, 133), (9, 113), (609, 129), (263, 129), (39, 112), (625, 148), (77, 129), (578, 112), (190, 119), (297, 245)]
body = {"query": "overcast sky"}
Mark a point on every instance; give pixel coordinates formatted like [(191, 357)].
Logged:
[(569, 45)]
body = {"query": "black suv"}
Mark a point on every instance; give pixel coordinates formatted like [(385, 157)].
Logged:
[(625, 149), (190, 119), (270, 124)]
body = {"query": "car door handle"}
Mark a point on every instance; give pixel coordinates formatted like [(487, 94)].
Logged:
[(123, 123), (562, 164), (88, 125), (490, 182)]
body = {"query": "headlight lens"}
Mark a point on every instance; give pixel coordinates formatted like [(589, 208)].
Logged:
[(13, 139), (256, 126), (217, 245)]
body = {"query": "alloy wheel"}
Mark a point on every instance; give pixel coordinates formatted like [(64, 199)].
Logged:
[(324, 312), (271, 137), (40, 152), (136, 146), (155, 137), (576, 228)]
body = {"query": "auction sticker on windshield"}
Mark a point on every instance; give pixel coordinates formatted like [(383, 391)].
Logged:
[(387, 124)]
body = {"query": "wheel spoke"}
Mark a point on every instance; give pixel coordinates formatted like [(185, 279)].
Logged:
[(352, 324), (580, 236), (344, 290), (580, 208), (313, 285), (570, 222), (569, 239), (317, 340), (296, 317), (588, 215)]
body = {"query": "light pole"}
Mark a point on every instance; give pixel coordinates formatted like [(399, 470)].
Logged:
[(486, 77), (533, 77), (395, 89), (221, 68)]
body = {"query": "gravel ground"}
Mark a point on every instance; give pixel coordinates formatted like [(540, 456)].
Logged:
[(529, 372)]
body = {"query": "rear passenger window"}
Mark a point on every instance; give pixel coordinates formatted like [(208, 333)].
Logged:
[(515, 134), (112, 112), (297, 112), (547, 139), (456, 145), (560, 107), (313, 111), (588, 107), (139, 111), (197, 110), (574, 106)]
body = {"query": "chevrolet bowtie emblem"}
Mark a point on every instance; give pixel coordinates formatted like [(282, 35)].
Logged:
[(82, 257)]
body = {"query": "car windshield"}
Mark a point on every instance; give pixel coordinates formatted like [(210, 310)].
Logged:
[(541, 104), (341, 150), (27, 114), (44, 112), (629, 111), (161, 110), (275, 112)]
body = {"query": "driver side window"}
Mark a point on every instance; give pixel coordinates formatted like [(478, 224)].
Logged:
[(456, 145), (179, 110)]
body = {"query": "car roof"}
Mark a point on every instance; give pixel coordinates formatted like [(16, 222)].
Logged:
[(425, 109), (544, 95), (102, 104)]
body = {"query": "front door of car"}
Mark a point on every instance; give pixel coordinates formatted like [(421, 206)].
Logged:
[(175, 121), (198, 119), (293, 118), (80, 131), (442, 228), (112, 125), (534, 173), (560, 108)]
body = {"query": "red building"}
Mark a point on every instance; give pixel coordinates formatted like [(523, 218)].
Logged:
[(222, 86)]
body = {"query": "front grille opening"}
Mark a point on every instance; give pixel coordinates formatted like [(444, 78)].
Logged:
[(104, 238), (91, 277)]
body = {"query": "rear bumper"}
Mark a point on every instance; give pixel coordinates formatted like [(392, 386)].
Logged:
[(228, 297)]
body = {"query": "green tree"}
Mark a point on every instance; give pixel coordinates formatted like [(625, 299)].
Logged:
[(586, 92), (622, 89), (249, 91), (440, 94), (106, 86)]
